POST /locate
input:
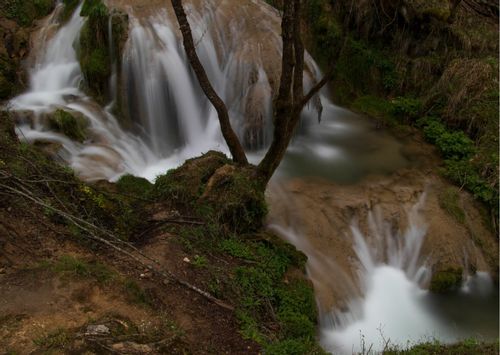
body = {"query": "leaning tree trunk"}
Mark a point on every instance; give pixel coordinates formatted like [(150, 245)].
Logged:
[(230, 136), (289, 102)]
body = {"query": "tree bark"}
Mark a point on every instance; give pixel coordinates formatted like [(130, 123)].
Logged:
[(230, 136), (288, 106), (290, 101)]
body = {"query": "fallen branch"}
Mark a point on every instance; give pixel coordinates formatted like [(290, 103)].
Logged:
[(87, 227)]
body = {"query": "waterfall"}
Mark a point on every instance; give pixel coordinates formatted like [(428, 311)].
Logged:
[(173, 119), (55, 84), (390, 306), (240, 48)]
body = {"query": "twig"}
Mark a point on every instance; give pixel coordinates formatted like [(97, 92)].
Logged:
[(86, 226)]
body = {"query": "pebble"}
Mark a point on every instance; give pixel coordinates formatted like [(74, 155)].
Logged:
[(99, 329)]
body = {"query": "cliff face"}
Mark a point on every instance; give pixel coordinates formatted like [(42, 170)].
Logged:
[(417, 63), (16, 19)]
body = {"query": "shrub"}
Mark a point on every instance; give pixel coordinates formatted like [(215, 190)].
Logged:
[(455, 145), (407, 108)]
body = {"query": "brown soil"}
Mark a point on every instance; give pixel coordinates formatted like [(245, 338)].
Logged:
[(42, 309)]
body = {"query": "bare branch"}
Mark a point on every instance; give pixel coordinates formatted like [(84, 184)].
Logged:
[(230, 136), (316, 88)]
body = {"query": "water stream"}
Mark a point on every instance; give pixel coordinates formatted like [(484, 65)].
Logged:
[(175, 122)]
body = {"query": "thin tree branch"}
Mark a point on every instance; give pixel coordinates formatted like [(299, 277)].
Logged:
[(230, 136)]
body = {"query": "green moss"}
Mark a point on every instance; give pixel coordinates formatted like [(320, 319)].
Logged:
[(71, 125), (24, 12), (449, 200), (216, 190), (186, 184), (325, 29), (446, 280), (365, 69), (137, 186), (236, 248), (235, 198), (94, 56)]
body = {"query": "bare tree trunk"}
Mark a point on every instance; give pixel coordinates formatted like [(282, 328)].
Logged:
[(230, 136), (290, 100)]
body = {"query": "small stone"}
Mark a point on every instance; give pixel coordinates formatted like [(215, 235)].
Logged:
[(2, 270), (99, 329), (186, 260)]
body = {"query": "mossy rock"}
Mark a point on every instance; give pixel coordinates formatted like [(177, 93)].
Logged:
[(235, 197), (133, 185), (94, 56), (217, 190), (446, 280), (71, 124), (185, 184)]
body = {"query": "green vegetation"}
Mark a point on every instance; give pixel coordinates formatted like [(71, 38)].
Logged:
[(434, 62), (15, 39), (461, 165), (137, 186), (464, 347), (94, 55), (135, 293), (215, 188), (72, 125), (446, 280), (264, 278), (57, 339), (70, 266), (24, 12)]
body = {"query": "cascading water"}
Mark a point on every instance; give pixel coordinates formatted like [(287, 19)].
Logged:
[(240, 48), (54, 84), (389, 306)]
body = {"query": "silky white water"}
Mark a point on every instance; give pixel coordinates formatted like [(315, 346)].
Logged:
[(54, 84), (389, 306), (174, 121)]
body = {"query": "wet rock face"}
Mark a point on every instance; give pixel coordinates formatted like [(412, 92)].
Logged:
[(102, 41), (16, 19), (324, 214)]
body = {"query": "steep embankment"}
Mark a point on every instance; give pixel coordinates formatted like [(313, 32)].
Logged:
[(432, 65), (133, 267)]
